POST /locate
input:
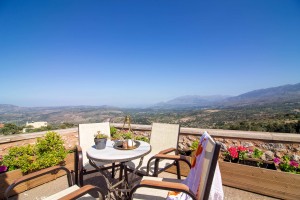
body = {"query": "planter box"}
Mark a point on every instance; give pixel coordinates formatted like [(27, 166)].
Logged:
[(254, 162), (8, 178), (273, 183), (267, 182)]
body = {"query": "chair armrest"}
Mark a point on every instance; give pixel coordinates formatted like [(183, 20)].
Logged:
[(82, 191), (157, 157), (164, 185), (39, 173), (172, 157), (78, 165), (169, 150), (79, 157)]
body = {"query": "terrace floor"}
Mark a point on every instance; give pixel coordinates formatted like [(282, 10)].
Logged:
[(96, 179)]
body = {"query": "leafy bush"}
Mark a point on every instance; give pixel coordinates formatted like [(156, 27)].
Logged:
[(116, 136), (113, 130), (47, 152), (142, 138), (10, 129), (257, 153), (121, 135), (126, 134)]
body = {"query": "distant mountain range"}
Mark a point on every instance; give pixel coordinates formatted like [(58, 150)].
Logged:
[(285, 93), (281, 94), (277, 96)]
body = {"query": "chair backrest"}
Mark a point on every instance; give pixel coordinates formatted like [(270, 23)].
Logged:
[(164, 136), (86, 135), (208, 169), (201, 175)]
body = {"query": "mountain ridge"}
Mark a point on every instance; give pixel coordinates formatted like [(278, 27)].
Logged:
[(284, 93)]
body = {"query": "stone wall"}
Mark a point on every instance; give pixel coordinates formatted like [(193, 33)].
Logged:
[(69, 136), (271, 149), (273, 144)]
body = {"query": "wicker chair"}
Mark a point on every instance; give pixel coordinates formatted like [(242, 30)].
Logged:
[(159, 159), (86, 140), (158, 188), (72, 192)]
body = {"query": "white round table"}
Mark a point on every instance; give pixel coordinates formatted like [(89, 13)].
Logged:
[(111, 154)]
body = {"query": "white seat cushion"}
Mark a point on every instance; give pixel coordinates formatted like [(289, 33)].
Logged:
[(153, 194), (68, 191)]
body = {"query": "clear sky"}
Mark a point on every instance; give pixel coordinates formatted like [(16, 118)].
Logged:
[(125, 52)]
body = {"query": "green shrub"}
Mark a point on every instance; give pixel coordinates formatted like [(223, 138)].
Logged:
[(113, 130), (142, 138), (257, 153), (117, 136), (20, 158), (47, 152), (126, 134), (9, 129)]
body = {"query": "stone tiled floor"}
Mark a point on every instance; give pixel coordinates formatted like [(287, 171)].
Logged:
[(94, 179)]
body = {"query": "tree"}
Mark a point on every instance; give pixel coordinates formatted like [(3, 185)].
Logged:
[(10, 128)]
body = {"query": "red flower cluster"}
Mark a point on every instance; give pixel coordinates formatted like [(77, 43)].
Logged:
[(233, 152), (241, 148)]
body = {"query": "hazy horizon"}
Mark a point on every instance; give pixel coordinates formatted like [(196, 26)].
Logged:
[(138, 53)]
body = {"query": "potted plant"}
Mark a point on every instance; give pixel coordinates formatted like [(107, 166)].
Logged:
[(100, 140)]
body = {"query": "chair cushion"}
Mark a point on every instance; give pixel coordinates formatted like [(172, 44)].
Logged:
[(68, 191), (150, 193), (143, 168)]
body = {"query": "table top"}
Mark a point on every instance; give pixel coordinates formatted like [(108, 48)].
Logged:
[(110, 154)]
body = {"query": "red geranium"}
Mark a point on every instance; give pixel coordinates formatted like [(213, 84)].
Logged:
[(241, 148), (233, 152)]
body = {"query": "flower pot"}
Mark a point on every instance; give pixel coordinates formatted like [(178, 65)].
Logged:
[(100, 143)]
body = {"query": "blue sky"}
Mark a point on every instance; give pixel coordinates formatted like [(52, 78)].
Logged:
[(127, 53)]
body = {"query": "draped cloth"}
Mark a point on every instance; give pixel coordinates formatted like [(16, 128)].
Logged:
[(194, 177)]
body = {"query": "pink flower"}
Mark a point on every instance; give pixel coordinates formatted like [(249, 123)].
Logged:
[(294, 164), (3, 168), (233, 152), (276, 161)]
